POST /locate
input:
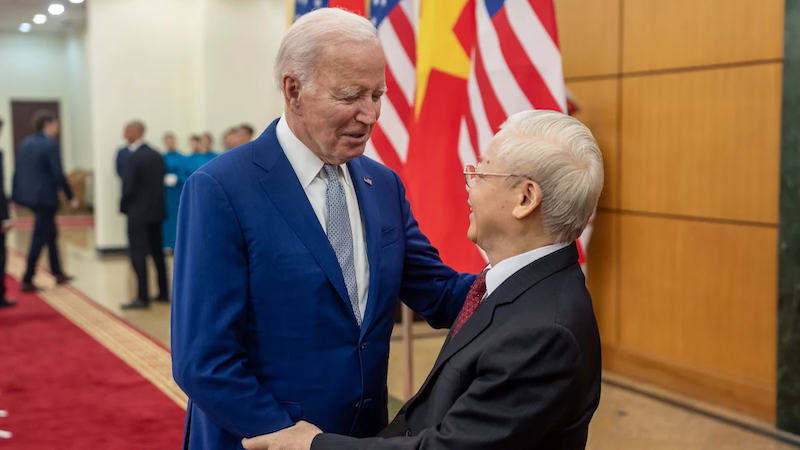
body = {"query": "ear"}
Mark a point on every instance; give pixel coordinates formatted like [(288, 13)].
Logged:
[(291, 93), (529, 197)]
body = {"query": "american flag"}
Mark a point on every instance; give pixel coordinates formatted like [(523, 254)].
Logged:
[(516, 66), (395, 20)]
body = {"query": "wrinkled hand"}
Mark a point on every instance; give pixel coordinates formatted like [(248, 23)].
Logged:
[(297, 437)]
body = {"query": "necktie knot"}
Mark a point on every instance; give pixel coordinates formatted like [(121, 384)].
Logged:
[(332, 171)]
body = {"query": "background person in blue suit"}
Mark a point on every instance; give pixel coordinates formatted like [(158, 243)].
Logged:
[(173, 185), (38, 176), (293, 251)]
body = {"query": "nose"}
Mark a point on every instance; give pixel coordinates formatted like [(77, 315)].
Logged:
[(368, 112)]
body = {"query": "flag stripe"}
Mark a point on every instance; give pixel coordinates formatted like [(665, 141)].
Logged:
[(524, 72), (545, 8), (465, 150), (482, 126), (505, 87), (472, 133), (370, 151), (491, 105), (408, 8), (402, 68), (405, 32), (384, 149), (395, 130), (539, 47), (395, 95)]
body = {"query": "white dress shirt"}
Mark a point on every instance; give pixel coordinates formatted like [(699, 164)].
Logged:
[(135, 145), (308, 168), (507, 267)]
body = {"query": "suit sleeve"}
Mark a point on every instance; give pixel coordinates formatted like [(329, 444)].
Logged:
[(429, 287), (210, 315), (129, 180), (523, 388), (57, 171), (119, 163)]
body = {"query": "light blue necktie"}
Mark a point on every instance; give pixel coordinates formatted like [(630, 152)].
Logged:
[(340, 235)]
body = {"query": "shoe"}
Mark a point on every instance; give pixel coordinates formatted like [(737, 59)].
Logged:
[(28, 288), (4, 303), (63, 279), (161, 299), (136, 304)]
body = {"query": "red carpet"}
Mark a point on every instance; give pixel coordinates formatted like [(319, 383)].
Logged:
[(64, 390)]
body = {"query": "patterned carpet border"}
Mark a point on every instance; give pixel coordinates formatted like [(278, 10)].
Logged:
[(151, 360)]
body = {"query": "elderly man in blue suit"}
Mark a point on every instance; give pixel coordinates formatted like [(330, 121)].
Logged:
[(293, 251)]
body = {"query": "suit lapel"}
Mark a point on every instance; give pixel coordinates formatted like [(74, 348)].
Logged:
[(286, 192), (507, 292), (368, 205)]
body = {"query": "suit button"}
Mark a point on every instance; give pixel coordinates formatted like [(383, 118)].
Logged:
[(358, 404), (363, 346), (408, 432)]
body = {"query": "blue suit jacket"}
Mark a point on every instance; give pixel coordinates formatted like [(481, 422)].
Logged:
[(38, 174), (263, 333)]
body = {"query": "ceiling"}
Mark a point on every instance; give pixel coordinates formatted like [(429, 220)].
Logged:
[(14, 12)]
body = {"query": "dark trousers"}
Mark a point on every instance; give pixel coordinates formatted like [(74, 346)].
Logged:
[(44, 232), (145, 238)]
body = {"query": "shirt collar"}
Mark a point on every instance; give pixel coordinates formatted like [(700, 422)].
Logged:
[(135, 145), (507, 267), (307, 166)]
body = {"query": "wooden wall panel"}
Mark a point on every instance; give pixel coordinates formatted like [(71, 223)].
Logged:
[(700, 293), (602, 275), (671, 34), (588, 33), (703, 144), (598, 101)]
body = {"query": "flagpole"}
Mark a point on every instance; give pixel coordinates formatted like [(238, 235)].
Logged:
[(408, 345)]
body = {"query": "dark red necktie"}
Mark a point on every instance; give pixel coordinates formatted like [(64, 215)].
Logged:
[(474, 297)]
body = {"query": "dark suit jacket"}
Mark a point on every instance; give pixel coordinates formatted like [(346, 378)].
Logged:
[(143, 186), (522, 373), (38, 174), (122, 157), (3, 200)]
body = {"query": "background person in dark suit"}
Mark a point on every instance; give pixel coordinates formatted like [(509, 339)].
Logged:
[(143, 203), (521, 366), (38, 175), (6, 225)]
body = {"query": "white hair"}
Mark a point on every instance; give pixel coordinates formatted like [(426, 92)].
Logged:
[(303, 44), (560, 154)]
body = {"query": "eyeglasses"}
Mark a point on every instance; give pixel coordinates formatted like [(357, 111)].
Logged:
[(470, 174)]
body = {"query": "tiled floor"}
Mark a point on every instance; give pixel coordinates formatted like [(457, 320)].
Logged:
[(625, 420)]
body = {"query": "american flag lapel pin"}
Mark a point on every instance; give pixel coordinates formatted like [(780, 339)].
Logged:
[(368, 181)]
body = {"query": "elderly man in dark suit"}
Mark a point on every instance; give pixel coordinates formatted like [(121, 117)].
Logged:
[(143, 202), (38, 176), (521, 366)]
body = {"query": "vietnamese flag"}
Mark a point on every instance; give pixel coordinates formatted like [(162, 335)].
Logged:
[(433, 172)]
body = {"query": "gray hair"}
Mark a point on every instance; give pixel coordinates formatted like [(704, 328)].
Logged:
[(560, 154), (303, 44)]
